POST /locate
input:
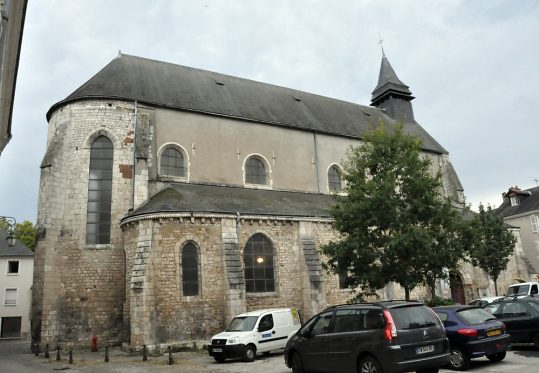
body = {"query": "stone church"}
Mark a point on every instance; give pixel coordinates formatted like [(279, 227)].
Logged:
[(173, 198)]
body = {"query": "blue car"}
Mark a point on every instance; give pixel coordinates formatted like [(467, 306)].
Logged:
[(472, 333)]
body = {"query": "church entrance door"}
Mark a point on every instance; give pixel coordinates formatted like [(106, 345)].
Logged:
[(457, 290)]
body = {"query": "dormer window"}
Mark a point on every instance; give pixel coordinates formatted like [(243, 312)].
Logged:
[(514, 200)]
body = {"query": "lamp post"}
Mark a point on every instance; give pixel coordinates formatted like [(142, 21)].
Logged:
[(10, 224)]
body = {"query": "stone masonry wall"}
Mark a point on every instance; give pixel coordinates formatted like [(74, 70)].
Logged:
[(288, 262), (159, 313), (169, 316), (79, 288)]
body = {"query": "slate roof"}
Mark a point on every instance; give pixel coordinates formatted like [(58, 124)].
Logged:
[(9, 251), (529, 201), (197, 198), (179, 87), (389, 82)]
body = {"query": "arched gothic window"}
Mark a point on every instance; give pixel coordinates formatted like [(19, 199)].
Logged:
[(172, 162), (255, 171), (259, 269), (99, 192), (190, 269), (334, 179)]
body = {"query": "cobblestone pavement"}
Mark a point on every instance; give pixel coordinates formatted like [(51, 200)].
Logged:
[(15, 357)]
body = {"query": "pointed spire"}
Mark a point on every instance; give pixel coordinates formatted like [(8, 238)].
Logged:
[(391, 94), (388, 80)]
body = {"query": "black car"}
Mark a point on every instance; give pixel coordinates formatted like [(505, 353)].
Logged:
[(388, 336), (520, 316), (473, 332)]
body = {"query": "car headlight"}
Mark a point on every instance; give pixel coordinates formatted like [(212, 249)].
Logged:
[(233, 340)]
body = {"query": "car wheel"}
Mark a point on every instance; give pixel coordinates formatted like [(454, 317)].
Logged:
[(249, 354), (297, 365), (219, 359), (369, 365), (536, 340), (431, 370), (458, 359), (496, 357)]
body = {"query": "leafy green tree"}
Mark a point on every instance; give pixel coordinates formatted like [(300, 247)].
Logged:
[(25, 232), (493, 245), (394, 224)]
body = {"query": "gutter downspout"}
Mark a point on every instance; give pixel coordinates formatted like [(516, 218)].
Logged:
[(316, 162), (134, 157)]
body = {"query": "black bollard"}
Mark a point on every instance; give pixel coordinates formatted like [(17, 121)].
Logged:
[(35, 348), (47, 351), (58, 358), (106, 354), (70, 356), (144, 353), (170, 359)]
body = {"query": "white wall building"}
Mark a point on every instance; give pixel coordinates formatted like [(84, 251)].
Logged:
[(16, 276)]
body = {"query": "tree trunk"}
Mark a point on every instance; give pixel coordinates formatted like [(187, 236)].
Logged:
[(406, 293), (432, 285), (495, 286)]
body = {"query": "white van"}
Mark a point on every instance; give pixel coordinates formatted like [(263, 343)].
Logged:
[(523, 289), (255, 332)]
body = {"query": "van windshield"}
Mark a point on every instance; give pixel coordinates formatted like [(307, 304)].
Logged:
[(242, 324), (518, 290)]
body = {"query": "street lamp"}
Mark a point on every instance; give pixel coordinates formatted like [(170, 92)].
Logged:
[(10, 224)]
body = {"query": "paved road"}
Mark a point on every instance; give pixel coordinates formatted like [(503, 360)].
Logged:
[(15, 357)]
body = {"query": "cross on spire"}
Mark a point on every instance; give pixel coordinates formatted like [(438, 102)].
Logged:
[(381, 42)]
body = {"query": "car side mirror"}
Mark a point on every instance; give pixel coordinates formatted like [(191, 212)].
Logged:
[(305, 333)]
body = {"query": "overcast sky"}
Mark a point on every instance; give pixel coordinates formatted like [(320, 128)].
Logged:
[(473, 67)]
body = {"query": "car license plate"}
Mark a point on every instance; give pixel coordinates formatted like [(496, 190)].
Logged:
[(217, 349), (424, 349), (492, 333)]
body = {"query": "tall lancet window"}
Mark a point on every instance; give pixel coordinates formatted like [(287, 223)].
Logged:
[(190, 269), (99, 192)]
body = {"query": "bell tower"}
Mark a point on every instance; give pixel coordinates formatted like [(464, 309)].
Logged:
[(392, 95)]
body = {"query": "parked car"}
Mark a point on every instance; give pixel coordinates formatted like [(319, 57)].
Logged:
[(482, 302), (523, 289), (472, 333), (388, 336), (520, 316), (255, 332)]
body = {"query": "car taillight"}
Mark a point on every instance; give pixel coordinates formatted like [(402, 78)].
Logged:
[(390, 330), (467, 332)]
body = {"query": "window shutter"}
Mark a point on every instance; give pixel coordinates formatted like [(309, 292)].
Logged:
[(11, 297)]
